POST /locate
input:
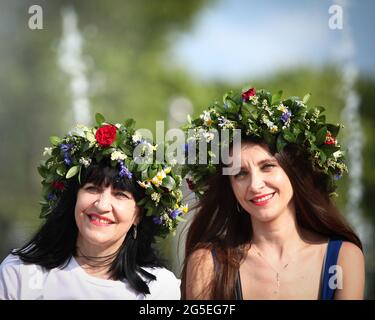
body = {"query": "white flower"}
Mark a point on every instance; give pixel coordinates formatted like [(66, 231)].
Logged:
[(338, 154), (282, 108), (144, 184), (254, 99), (47, 151), (158, 179), (136, 137), (273, 129), (300, 103), (156, 197), (118, 125), (264, 103), (209, 136), (85, 161), (206, 116), (79, 130), (118, 155)]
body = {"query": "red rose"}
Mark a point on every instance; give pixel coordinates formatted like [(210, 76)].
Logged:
[(247, 94), (106, 135), (58, 185)]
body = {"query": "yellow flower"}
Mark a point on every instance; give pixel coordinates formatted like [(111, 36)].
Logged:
[(274, 129), (167, 170), (185, 208)]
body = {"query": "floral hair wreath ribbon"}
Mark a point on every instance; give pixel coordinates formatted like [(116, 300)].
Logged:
[(85, 145), (278, 122)]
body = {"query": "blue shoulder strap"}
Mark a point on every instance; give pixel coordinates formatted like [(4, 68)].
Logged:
[(332, 254)]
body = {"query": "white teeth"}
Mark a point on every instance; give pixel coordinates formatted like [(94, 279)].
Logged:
[(100, 220), (263, 198)]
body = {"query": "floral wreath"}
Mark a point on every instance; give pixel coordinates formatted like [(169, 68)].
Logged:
[(85, 145), (278, 122)]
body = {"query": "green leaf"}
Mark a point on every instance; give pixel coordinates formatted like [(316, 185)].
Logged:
[(333, 129), (306, 98), (129, 123), (321, 136), (280, 143), (169, 183), (61, 170), (142, 167), (55, 140), (276, 97), (72, 172), (99, 118), (289, 136)]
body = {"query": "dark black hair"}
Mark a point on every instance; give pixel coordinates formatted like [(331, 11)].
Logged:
[(54, 243)]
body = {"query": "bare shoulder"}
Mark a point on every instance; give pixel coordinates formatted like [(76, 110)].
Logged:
[(199, 273), (352, 263), (350, 253)]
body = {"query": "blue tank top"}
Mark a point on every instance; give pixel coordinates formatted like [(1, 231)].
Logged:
[(326, 293)]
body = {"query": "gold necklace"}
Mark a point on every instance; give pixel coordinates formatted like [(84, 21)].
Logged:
[(277, 272)]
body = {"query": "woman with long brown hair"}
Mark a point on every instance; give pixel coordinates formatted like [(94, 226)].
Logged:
[(270, 228)]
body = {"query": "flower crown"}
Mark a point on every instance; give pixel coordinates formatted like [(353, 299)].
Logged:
[(86, 145), (277, 122)]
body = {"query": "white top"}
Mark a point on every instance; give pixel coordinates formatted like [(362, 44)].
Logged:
[(32, 282)]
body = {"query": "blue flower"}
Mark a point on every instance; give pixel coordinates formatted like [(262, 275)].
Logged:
[(175, 213), (67, 159), (51, 197), (337, 177), (65, 147), (285, 116), (124, 171), (158, 220)]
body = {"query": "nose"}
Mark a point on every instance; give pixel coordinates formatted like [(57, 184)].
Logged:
[(256, 182), (103, 202)]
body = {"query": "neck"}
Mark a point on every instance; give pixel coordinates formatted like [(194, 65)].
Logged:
[(95, 260), (279, 238)]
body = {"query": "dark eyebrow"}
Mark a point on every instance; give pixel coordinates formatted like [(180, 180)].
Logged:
[(268, 160)]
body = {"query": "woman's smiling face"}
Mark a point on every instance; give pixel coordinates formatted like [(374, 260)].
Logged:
[(261, 187), (104, 215)]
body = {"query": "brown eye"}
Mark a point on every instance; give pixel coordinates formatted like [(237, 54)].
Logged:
[(91, 188), (121, 194), (242, 173), (268, 166)]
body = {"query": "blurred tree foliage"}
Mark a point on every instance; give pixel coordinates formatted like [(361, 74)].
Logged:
[(125, 49)]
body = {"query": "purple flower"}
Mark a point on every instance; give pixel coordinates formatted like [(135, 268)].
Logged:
[(65, 147), (124, 171), (175, 213), (51, 197), (67, 159), (285, 116), (337, 176), (158, 220)]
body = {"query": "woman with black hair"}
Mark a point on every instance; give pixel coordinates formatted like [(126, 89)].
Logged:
[(269, 228), (103, 211)]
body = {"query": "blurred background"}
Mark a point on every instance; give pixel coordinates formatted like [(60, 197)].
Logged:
[(62, 61)]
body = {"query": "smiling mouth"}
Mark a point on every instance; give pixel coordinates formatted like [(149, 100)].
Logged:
[(99, 221), (263, 199)]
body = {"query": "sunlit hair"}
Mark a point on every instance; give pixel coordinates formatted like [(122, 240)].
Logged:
[(219, 226), (55, 242)]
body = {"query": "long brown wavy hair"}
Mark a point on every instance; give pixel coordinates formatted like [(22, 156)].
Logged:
[(219, 226)]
